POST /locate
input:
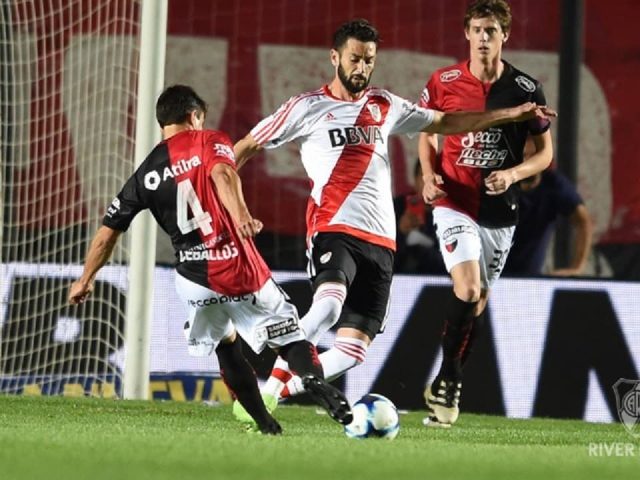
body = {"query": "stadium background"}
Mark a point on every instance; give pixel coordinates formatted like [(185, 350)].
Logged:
[(418, 37), (246, 58)]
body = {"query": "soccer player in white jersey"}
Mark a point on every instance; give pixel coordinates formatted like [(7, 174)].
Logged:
[(342, 130)]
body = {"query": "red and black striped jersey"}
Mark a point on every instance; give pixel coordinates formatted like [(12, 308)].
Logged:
[(467, 159), (174, 183)]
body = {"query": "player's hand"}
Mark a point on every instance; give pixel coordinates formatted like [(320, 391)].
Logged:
[(249, 228), (79, 291), (545, 112), (431, 192), (498, 182), (530, 110)]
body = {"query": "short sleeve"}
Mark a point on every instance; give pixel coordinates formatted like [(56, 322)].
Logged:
[(284, 125), (218, 149), (127, 204), (430, 95), (409, 117)]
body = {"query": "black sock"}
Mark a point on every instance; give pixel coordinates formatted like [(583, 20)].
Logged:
[(241, 381), (457, 327), (477, 325), (302, 358)]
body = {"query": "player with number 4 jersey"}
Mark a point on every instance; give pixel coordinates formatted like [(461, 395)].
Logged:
[(190, 185), (174, 183)]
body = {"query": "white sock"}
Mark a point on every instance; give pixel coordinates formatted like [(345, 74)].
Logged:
[(280, 375), (325, 310), (346, 353), (294, 387)]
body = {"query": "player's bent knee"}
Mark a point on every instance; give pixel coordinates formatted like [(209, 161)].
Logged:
[(330, 276)]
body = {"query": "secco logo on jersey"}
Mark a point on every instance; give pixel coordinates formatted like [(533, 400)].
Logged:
[(355, 136), (525, 84), (480, 150), (224, 253), (488, 137), (152, 179), (450, 76)]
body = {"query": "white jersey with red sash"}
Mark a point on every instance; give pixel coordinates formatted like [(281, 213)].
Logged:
[(344, 148)]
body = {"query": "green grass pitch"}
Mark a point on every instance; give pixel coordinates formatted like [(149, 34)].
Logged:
[(64, 438)]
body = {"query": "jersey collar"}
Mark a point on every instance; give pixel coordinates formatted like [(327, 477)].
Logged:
[(328, 93)]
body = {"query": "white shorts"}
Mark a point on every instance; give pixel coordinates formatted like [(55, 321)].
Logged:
[(262, 318), (462, 239)]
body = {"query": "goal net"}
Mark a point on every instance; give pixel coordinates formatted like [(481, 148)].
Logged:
[(68, 72)]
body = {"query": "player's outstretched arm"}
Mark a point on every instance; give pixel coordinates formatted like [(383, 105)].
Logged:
[(462, 122), (245, 149), (229, 189), (99, 252)]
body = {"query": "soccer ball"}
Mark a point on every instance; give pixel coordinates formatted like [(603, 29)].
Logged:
[(373, 416)]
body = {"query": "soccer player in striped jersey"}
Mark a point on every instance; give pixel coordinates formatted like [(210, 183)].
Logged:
[(342, 130), (190, 185), (473, 186)]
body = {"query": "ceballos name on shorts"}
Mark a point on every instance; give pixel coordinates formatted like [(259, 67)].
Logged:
[(220, 300), (223, 253)]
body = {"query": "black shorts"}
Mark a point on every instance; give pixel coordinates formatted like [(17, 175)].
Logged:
[(368, 269)]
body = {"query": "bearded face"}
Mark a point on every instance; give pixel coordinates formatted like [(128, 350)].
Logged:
[(355, 82), (356, 64)]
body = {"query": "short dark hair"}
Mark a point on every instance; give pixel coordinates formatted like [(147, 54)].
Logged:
[(359, 28), (499, 9), (176, 103)]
